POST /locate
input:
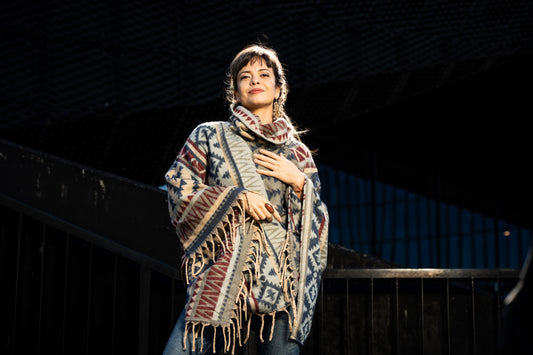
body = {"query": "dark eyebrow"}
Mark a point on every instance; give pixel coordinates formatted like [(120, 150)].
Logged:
[(249, 71)]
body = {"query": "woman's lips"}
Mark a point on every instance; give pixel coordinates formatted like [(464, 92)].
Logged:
[(255, 91)]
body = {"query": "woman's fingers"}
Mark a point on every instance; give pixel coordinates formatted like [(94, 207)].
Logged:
[(261, 214), (260, 208), (276, 215), (279, 167), (272, 162), (265, 161), (273, 211), (270, 154)]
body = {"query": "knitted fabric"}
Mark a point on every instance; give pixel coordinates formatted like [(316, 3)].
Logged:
[(232, 265)]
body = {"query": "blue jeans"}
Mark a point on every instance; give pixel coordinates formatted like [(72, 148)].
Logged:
[(280, 343)]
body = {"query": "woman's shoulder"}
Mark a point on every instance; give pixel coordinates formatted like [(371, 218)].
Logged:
[(208, 126), (207, 132)]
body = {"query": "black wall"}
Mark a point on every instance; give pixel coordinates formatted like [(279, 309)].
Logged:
[(432, 96)]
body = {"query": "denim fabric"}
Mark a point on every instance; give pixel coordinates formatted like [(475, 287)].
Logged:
[(280, 343)]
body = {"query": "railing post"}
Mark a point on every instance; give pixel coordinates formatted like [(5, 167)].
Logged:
[(144, 308), (89, 299), (448, 318), (17, 281), (474, 340), (422, 325), (42, 252), (347, 319), (397, 299), (371, 345), (65, 294)]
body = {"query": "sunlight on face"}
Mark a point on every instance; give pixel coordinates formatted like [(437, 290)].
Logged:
[(256, 88)]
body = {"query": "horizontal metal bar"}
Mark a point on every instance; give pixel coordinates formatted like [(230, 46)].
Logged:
[(329, 273), (88, 236), (420, 273)]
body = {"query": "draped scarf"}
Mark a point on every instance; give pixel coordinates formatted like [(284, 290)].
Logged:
[(220, 243)]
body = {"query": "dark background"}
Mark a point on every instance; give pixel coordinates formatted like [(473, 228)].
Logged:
[(431, 96)]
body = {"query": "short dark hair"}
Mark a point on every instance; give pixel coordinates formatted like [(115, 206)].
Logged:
[(248, 55)]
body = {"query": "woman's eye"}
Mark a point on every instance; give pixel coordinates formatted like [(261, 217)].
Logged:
[(266, 75)]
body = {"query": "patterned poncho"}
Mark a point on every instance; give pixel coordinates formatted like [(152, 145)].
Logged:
[(232, 265)]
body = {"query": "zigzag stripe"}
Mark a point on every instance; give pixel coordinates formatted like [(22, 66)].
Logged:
[(211, 218), (300, 154), (192, 156), (276, 132), (195, 150), (241, 152), (212, 287), (202, 203), (208, 196), (230, 156)]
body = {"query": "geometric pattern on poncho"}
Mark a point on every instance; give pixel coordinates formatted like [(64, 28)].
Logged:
[(205, 186)]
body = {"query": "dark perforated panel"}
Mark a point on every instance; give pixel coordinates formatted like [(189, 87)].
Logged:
[(119, 84)]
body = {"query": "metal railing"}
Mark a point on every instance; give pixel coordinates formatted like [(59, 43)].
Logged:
[(67, 290), (72, 291), (411, 311)]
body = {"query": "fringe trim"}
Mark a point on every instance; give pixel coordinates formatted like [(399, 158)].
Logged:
[(220, 241), (223, 241), (231, 332)]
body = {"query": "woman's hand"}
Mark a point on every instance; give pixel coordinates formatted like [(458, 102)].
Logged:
[(259, 207), (281, 168)]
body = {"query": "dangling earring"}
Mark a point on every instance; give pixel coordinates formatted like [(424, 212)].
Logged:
[(276, 111)]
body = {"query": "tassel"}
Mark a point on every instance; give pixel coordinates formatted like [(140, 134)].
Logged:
[(233, 342), (214, 340), (202, 338), (272, 327), (224, 330), (248, 331), (262, 325), (185, 336), (187, 272), (289, 317), (193, 339)]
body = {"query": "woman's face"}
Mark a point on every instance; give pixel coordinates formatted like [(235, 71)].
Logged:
[(256, 86)]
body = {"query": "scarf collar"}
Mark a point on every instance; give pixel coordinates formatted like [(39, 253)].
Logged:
[(249, 126)]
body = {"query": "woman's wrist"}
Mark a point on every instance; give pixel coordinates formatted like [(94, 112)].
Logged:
[(299, 185)]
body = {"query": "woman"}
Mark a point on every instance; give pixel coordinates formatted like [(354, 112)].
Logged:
[(244, 196)]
